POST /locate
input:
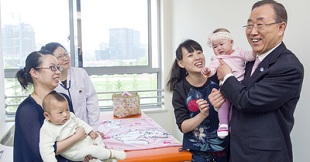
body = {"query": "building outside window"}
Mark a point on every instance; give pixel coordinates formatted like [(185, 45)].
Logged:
[(117, 42)]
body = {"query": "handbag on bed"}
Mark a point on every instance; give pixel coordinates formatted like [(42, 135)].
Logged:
[(126, 104)]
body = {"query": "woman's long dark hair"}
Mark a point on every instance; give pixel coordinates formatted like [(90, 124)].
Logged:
[(33, 60), (177, 73)]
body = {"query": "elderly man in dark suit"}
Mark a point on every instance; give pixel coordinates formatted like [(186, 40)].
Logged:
[(264, 102)]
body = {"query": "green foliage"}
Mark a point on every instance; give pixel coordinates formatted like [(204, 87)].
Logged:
[(118, 85), (102, 83)]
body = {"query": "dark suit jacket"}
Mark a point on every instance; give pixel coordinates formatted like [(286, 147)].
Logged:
[(263, 108)]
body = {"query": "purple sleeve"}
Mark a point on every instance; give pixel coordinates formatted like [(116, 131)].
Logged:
[(213, 66), (29, 119)]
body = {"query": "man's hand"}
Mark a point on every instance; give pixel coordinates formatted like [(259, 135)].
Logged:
[(223, 70)]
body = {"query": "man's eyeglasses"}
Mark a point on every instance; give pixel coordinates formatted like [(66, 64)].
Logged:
[(52, 67), (259, 26), (62, 56)]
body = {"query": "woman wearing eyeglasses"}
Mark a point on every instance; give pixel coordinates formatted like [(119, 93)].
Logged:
[(76, 83), (43, 72)]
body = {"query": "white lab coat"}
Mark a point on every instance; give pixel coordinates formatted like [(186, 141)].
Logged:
[(83, 96)]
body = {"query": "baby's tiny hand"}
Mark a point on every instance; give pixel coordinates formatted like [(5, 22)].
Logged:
[(205, 72), (93, 135), (80, 133), (101, 134)]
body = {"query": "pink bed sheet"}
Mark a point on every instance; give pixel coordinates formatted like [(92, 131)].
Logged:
[(135, 134)]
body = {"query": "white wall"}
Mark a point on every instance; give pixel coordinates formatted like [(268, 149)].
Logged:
[(196, 19), (2, 109)]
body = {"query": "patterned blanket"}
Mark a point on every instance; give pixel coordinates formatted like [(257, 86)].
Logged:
[(135, 134)]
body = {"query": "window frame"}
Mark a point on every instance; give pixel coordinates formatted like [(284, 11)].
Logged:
[(149, 69)]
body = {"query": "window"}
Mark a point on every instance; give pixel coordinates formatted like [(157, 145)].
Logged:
[(26, 29), (117, 42)]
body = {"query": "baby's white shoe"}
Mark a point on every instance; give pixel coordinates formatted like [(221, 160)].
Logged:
[(222, 131)]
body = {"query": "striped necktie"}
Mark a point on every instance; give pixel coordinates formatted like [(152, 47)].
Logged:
[(256, 63)]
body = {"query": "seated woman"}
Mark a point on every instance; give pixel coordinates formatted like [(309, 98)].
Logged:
[(43, 72)]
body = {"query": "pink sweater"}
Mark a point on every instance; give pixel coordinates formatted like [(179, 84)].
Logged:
[(236, 60)]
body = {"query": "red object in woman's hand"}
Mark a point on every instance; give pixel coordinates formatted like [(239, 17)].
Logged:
[(193, 106)]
